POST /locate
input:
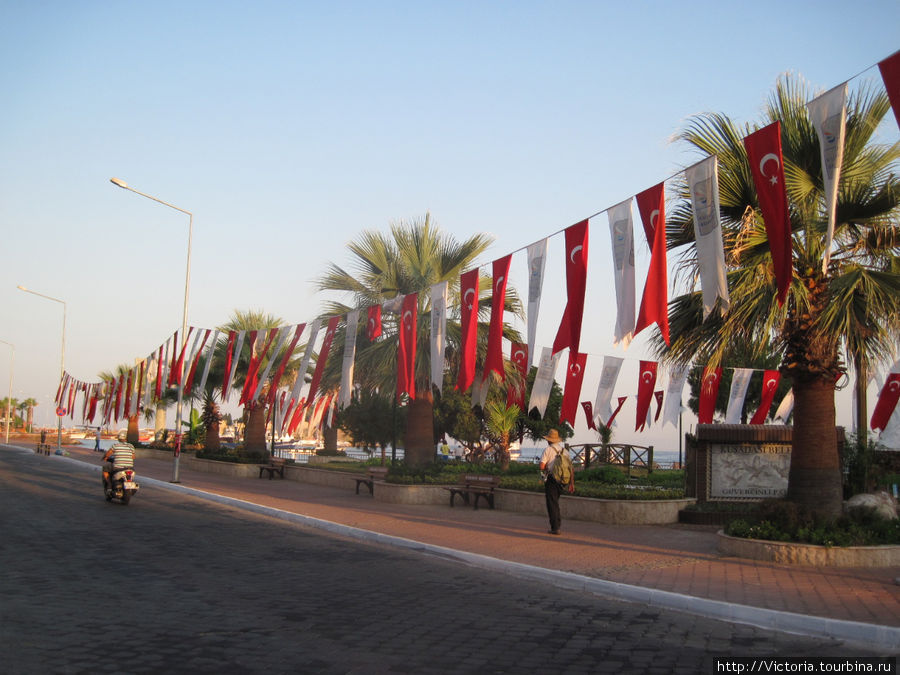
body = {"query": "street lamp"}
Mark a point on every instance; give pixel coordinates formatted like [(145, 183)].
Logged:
[(62, 360), (12, 355), (187, 284)]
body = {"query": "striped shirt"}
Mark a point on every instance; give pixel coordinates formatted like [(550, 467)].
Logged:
[(122, 455)]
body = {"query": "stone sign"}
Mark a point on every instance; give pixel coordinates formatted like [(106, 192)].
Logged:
[(741, 471)]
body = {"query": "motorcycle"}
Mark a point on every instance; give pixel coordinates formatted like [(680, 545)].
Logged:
[(121, 486)]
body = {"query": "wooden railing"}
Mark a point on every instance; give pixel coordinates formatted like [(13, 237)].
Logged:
[(617, 454)]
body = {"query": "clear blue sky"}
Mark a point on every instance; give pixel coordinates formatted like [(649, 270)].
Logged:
[(289, 127)]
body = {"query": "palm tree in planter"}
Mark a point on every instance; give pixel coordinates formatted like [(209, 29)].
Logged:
[(255, 410), (412, 258), (133, 433), (29, 404), (501, 422), (851, 309)]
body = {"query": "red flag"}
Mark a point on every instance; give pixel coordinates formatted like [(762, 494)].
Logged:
[(771, 378), (646, 383), (92, 410), (252, 379), (374, 327), (659, 401), (890, 73), (572, 391), (171, 378), (494, 360), (297, 417), (569, 333), (589, 413), (468, 311), (887, 401), (228, 356), (159, 364), (180, 364), (767, 166), (128, 385), (622, 400), (709, 392), (323, 357), (298, 331), (519, 357), (406, 347), (655, 301), (119, 395), (189, 380)]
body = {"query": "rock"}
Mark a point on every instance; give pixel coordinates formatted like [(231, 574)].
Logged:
[(881, 502)]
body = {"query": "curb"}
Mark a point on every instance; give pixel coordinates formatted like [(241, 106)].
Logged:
[(863, 634)]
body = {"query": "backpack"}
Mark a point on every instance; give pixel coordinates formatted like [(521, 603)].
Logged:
[(563, 470)]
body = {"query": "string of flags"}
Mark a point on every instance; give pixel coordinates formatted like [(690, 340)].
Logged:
[(176, 364)]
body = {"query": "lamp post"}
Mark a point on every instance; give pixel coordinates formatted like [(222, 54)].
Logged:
[(62, 359), (12, 355), (187, 284)]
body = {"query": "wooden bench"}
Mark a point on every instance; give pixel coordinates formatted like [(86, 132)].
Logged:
[(475, 485), (42, 448), (374, 473), (275, 465)]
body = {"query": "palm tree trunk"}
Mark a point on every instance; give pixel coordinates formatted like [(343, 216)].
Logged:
[(862, 414), (419, 450), (159, 423), (255, 433), (815, 474), (133, 434), (330, 436)]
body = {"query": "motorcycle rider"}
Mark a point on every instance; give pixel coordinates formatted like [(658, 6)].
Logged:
[(119, 456)]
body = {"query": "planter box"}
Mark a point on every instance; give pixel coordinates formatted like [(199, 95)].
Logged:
[(711, 517), (394, 493), (326, 477), (607, 511), (809, 554), (219, 468)]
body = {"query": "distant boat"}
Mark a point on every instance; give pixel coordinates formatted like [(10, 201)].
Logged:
[(515, 450)]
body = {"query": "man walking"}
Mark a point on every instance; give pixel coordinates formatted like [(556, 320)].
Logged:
[(555, 453)]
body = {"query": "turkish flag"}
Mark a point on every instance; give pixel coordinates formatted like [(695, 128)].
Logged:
[(589, 413), (119, 394), (771, 378), (659, 403), (569, 333), (622, 400), (297, 416), (890, 73), (406, 347), (887, 401), (655, 301), (468, 313), (229, 349), (171, 379), (572, 391), (323, 357), (515, 395), (374, 327), (189, 380), (251, 380), (494, 360), (767, 166), (298, 331), (709, 391), (646, 385)]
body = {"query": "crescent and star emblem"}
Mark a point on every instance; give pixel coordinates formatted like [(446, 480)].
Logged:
[(499, 281), (466, 296), (773, 179), (519, 355), (575, 369), (895, 385), (653, 216), (647, 376), (574, 251), (407, 313), (771, 384)]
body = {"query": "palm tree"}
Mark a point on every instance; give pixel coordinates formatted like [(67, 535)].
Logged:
[(500, 422), (29, 404), (853, 309), (410, 259), (133, 433)]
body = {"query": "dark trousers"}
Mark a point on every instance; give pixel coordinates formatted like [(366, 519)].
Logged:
[(552, 490)]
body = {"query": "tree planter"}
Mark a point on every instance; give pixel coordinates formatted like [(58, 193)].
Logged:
[(606, 511), (809, 554)]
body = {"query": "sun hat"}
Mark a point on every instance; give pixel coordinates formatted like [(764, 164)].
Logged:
[(553, 436)]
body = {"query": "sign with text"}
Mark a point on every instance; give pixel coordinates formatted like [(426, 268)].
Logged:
[(749, 470)]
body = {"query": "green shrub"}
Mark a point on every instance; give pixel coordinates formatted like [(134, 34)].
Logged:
[(610, 475)]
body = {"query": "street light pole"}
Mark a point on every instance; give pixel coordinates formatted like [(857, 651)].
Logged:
[(12, 355), (62, 360), (187, 284)]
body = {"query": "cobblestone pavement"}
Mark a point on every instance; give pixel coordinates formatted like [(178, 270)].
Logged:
[(179, 584)]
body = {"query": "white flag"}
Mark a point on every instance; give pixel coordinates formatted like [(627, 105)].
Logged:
[(209, 358), (608, 377), (703, 181), (828, 113), (438, 333), (283, 333), (621, 232), (537, 256), (480, 388), (235, 357), (165, 370), (785, 408), (740, 380), (189, 359), (304, 362), (672, 405), (346, 393), (543, 380), (149, 376)]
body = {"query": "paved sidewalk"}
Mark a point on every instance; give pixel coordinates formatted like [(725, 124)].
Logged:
[(676, 566)]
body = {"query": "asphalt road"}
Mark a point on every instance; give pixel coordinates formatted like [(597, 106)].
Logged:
[(177, 584)]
